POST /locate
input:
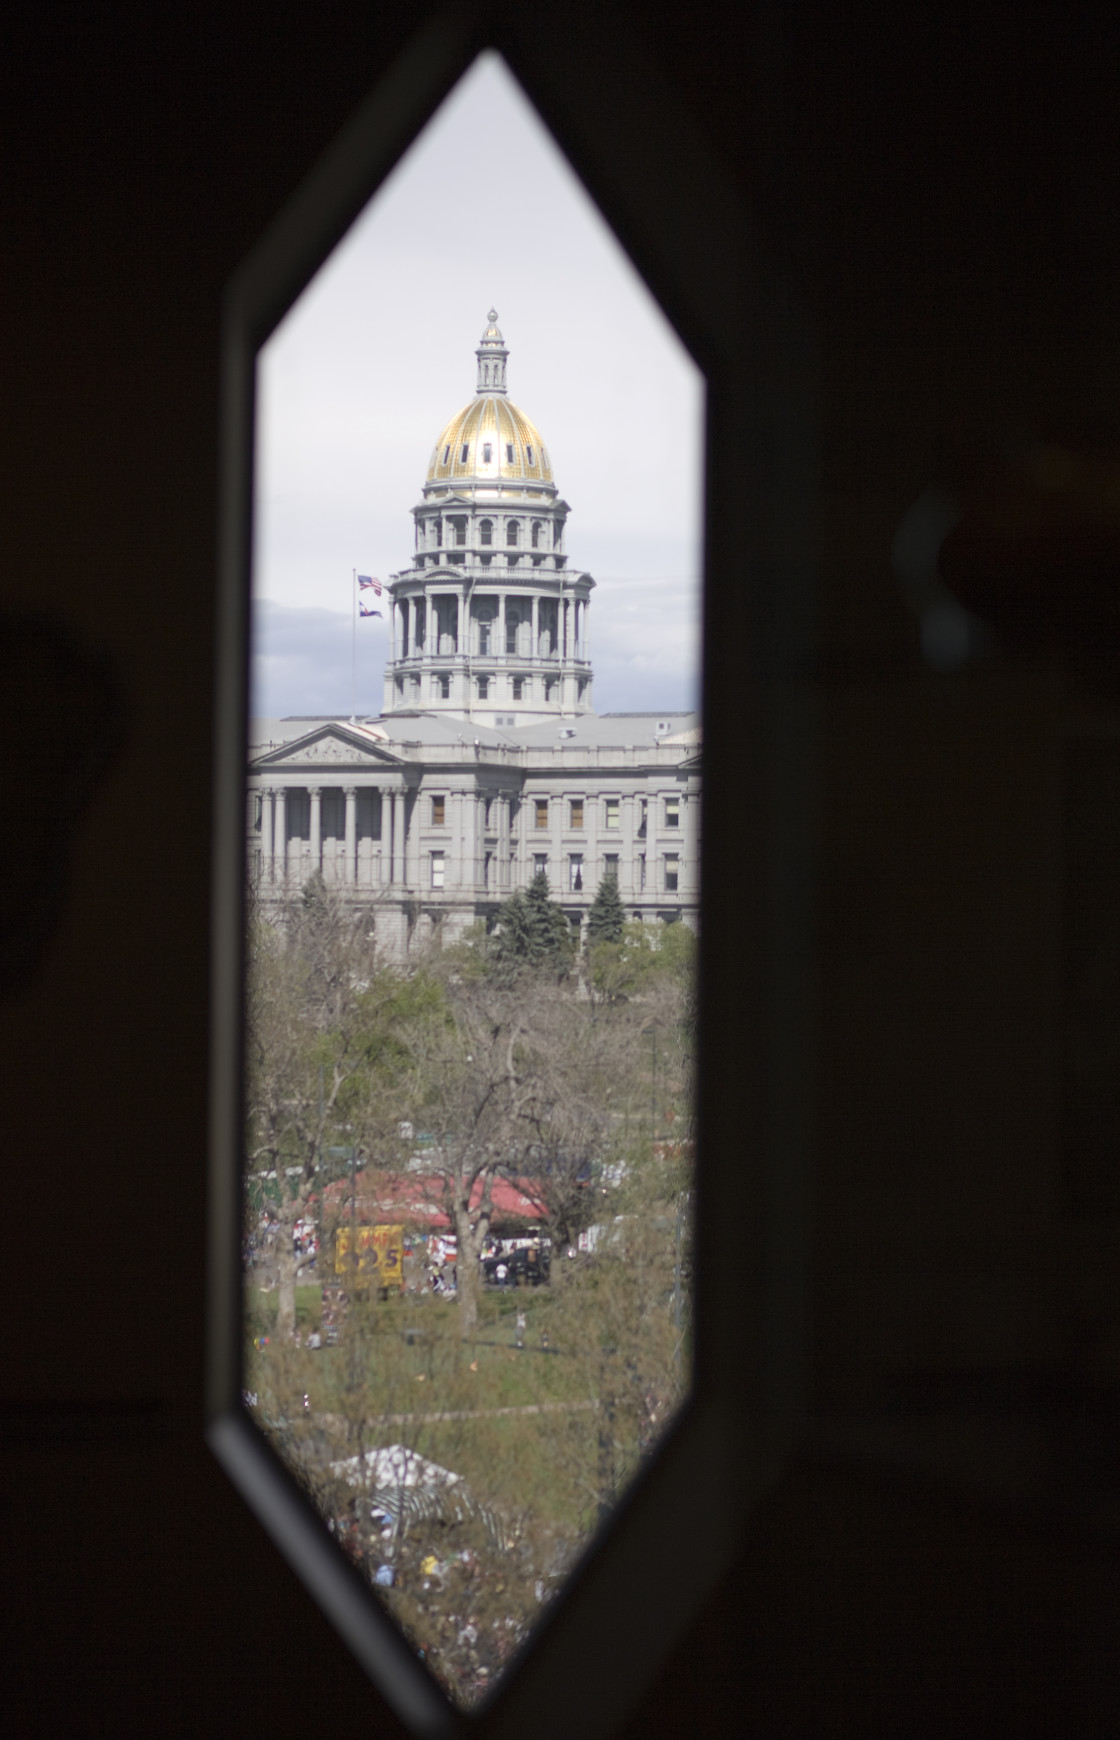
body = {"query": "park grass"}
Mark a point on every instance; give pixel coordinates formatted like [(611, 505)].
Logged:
[(400, 1365), (505, 1458)]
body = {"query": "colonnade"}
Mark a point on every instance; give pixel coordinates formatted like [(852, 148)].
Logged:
[(572, 639), (480, 850), (385, 861)]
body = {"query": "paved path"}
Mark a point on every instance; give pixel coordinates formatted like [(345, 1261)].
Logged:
[(333, 1420)]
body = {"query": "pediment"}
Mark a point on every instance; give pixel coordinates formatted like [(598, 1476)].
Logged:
[(329, 746)]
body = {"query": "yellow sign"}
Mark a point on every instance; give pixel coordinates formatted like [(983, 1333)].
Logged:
[(379, 1251)]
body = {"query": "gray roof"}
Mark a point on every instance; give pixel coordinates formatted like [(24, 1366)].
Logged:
[(582, 730)]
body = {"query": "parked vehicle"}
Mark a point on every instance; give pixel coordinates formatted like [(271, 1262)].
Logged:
[(526, 1267)]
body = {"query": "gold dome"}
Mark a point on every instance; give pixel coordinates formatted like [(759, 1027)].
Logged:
[(490, 421)]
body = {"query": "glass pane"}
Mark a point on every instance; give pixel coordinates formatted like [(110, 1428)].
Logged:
[(469, 1131)]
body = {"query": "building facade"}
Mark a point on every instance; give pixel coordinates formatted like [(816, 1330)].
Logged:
[(487, 762)]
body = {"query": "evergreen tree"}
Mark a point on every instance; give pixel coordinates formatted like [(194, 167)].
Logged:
[(513, 941), (532, 931), (606, 917), (551, 935)]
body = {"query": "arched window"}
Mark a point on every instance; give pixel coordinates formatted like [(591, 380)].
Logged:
[(486, 531), (513, 533), (536, 534)]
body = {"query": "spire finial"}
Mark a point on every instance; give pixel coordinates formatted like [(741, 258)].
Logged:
[(491, 354)]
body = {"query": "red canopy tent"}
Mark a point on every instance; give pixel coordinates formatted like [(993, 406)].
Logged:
[(417, 1199)]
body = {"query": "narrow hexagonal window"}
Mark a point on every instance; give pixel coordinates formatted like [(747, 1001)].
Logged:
[(469, 1134)]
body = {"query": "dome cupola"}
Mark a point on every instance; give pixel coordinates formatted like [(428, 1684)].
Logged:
[(489, 622), (490, 441)]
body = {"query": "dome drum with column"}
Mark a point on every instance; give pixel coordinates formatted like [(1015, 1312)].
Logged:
[(489, 622)]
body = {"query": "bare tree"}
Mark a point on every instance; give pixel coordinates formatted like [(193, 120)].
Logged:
[(322, 1017)]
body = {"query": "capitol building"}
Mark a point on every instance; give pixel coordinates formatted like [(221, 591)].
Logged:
[(488, 761)]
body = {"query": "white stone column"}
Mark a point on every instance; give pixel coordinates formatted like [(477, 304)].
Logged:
[(315, 794), (350, 872), (410, 824), (397, 803), (280, 846), (536, 646), (505, 845), (690, 843), (380, 849), (592, 869), (456, 873), (626, 878), (266, 833)]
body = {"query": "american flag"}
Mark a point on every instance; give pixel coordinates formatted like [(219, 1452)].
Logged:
[(368, 583)]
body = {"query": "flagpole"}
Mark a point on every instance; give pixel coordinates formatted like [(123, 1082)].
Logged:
[(353, 645)]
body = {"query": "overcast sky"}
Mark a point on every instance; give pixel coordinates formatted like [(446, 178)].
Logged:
[(376, 356)]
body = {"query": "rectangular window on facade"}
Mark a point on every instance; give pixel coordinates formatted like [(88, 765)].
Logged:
[(489, 811), (518, 688), (612, 812), (437, 869), (487, 450), (540, 862), (642, 872), (439, 807), (610, 864), (541, 811), (487, 864), (509, 452), (484, 688), (643, 813), (672, 812), (576, 818), (672, 867), (575, 872)]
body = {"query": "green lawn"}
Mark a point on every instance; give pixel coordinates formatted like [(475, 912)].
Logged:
[(401, 1361)]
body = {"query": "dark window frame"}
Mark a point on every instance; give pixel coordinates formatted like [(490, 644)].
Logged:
[(744, 1417)]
